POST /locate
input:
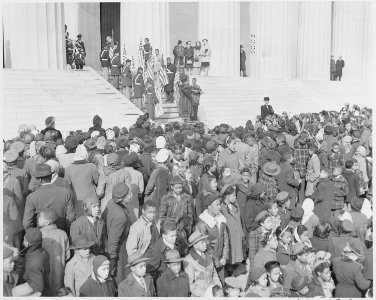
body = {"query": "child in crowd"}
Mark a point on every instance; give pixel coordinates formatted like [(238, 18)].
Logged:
[(284, 242), (273, 270), (259, 283), (272, 208)]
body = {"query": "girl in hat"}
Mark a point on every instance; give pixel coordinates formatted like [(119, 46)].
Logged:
[(79, 268), (284, 241), (273, 270), (348, 271), (259, 283), (99, 284)]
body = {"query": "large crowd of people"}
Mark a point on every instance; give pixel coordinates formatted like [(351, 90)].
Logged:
[(278, 208)]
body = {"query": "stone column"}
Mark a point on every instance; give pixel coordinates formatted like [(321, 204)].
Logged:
[(314, 40), (219, 22), (34, 35), (350, 37), (144, 20)]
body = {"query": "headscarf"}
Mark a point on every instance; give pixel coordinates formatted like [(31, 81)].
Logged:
[(307, 206), (97, 262)]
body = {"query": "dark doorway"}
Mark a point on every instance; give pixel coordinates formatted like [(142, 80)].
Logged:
[(110, 21)]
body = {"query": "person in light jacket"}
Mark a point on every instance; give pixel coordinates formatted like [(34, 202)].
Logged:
[(313, 170)]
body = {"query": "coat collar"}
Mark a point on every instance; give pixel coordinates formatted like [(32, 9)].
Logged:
[(171, 276)]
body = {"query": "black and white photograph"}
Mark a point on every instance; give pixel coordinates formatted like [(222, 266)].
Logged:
[(188, 148)]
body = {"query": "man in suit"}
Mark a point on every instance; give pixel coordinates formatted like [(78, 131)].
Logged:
[(127, 79), (266, 109), (169, 88), (243, 58), (340, 64), (179, 54), (188, 53), (332, 68)]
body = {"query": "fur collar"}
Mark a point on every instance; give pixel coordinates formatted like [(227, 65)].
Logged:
[(210, 221)]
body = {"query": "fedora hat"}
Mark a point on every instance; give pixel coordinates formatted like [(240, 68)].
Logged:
[(177, 180), (173, 256), (80, 242), (135, 259), (41, 170), (195, 237), (271, 168)]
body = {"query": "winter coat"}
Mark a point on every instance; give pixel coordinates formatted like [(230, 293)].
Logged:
[(158, 185), (322, 244), (360, 224), (353, 181), (235, 232), (287, 182), (232, 160), (283, 254), (56, 243), (322, 197), (12, 223), (350, 280), (131, 288), (93, 288), (13, 189), (170, 285), (293, 272), (242, 193), (97, 233), (76, 273), (201, 273), (252, 207), (254, 244)]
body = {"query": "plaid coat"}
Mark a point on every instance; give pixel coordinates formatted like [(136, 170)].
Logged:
[(335, 160), (340, 189), (270, 184), (302, 157), (254, 244)]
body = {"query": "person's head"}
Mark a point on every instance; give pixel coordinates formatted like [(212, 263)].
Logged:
[(189, 43), (321, 230), (101, 267), (169, 231), (178, 152), (284, 234), (302, 233), (149, 211), (348, 126), (140, 70), (264, 220), (180, 42), (335, 147), (91, 206), (266, 100), (177, 185), (313, 149), (273, 270), (146, 40), (168, 60), (128, 62), (272, 208), (139, 269), (173, 261), (324, 173), (204, 41), (198, 241), (225, 171), (250, 138), (188, 175), (156, 51), (269, 240), (213, 202), (8, 260), (213, 182), (232, 287), (47, 217), (299, 252), (217, 291), (245, 175), (322, 270), (121, 193), (258, 277), (194, 80), (229, 195), (230, 143)]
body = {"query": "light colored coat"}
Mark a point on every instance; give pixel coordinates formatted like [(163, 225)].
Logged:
[(56, 243), (313, 173), (77, 272)]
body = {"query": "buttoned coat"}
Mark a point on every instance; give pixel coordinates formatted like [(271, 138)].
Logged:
[(131, 288), (170, 285), (76, 273)]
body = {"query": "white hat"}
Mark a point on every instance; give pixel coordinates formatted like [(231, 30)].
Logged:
[(110, 134), (54, 165), (162, 155), (160, 142), (81, 153), (60, 150)]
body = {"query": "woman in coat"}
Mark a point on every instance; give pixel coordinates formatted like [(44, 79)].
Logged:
[(348, 271), (83, 176)]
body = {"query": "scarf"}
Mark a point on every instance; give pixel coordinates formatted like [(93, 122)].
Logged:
[(307, 206)]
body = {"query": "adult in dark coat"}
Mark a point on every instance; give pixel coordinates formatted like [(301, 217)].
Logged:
[(97, 126), (266, 109), (348, 272), (117, 219), (332, 68), (340, 64), (353, 181), (185, 100), (138, 88), (50, 127), (179, 54), (256, 203), (169, 88), (174, 282), (243, 58), (323, 196), (48, 196), (189, 52), (368, 264), (91, 225), (286, 179)]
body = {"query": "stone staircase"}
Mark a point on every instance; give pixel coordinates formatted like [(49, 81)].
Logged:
[(171, 112), (72, 96)]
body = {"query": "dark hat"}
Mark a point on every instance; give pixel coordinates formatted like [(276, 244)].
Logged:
[(209, 199), (297, 212), (210, 146), (28, 138), (257, 189), (71, 142), (135, 258), (328, 129), (10, 156), (177, 180), (347, 225), (179, 138), (207, 161), (245, 170), (271, 168), (120, 191), (79, 35), (7, 252), (17, 146), (41, 170), (261, 215), (349, 163), (33, 236), (90, 200), (173, 256), (81, 241), (49, 121), (99, 260), (233, 282), (352, 246), (193, 155), (205, 40), (86, 136), (195, 237), (266, 99), (90, 143), (357, 203), (121, 142), (132, 160), (112, 159), (97, 120), (256, 273), (298, 248), (225, 187), (282, 196)]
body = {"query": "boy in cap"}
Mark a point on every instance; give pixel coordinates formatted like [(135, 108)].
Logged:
[(174, 282), (91, 225), (199, 265), (178, 206), (79, 268), (56, 243), (117, 219), (138, 283), (37, 266)]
